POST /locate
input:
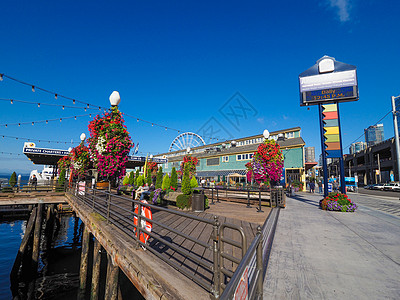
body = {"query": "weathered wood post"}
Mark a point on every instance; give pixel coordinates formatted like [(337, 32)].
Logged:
[(84, 263), (24, 244), (36, 238), (111, 292), (94, 295)]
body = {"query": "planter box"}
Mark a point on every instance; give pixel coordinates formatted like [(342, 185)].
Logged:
[(172, 196), (102, 185)]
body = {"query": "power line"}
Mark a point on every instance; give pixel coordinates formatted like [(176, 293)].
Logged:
[(389, 112)]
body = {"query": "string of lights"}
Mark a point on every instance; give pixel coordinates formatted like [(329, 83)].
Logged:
[(89, 105), (10, 153), (44, 121), (35, 140), (46, 104)]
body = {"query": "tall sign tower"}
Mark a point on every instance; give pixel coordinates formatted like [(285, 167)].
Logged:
[(325, 84)]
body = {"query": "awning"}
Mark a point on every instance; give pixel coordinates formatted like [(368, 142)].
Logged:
[(241, 173)]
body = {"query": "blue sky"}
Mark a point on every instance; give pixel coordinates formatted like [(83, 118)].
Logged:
[(178, 63)]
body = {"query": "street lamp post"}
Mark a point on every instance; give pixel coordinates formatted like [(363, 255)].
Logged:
[(396, 134)]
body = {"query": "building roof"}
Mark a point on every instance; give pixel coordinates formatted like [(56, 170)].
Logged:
[(288, 143)]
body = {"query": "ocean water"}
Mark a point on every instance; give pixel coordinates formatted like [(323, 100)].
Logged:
[(58, 271), (11, 234), (58, 266)]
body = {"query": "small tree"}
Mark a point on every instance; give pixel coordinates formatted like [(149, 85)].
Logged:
[(186, 189), (61, 178), (166, 183), (131, 178), (159, 179), (126, 179), (136, 177), (193, 182), (13, 180), (148, 177), (140, 181), (174, 178)]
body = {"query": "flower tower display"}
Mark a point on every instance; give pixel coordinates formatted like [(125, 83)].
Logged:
[(266, 165), (190, 162), (109, 142), (80, 160)]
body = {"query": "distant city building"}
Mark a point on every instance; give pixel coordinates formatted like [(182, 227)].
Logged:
[(357, 147), (328, 160), (374, 135), (309, 153)]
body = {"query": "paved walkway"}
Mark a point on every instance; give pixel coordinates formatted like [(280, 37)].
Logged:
[(328, 255)]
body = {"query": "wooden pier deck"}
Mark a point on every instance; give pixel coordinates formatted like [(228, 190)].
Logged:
[(149, 273)]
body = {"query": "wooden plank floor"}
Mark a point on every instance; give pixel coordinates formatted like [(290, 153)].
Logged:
[(235, 214)]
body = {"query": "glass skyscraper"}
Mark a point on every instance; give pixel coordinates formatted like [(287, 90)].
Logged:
[(357, 147), (374, 135)]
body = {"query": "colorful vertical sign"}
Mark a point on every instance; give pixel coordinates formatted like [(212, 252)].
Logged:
[(330, 121)]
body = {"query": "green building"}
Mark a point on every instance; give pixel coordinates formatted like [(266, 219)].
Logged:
[(225, 161)]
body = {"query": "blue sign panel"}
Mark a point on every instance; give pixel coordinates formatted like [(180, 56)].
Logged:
[(46, 151), (336, 93)]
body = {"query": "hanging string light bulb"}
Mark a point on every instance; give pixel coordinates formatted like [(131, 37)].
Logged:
[(38, 105), (33, 88), (55, 96), (73, 101), (60, 119), (33, 123), (1, 77), (75, 117), (63, 107), (12, 101), (47, 122)]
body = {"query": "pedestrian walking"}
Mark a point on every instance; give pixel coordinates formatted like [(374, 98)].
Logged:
[(33, 181), (312, 187)]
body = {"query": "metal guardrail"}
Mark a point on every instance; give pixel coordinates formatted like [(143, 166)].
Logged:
[(26, 186), (247, 281), (105, 203)]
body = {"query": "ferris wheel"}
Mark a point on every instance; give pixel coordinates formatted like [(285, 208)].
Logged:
[(186, 141)]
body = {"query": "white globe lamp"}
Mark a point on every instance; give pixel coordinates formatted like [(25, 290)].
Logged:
[(266, 134), (115, 98), (83, 137)]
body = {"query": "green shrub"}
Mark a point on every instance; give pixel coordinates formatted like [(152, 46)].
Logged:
[(126, 179), (131, 180), (193, 182), (61, 178), (174, 178), (148, 177), (13, 180), (136, 177), (183, 201), (166, 183), (186, 189), (206, 202), (140, 181), (159, 178)]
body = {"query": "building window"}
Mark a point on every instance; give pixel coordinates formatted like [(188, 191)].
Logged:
[(247, 156), (212, 161), (289, 135), (225, 158)]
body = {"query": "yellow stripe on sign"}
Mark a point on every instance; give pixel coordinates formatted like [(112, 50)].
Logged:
[(331, 130), (331, 138), (329, 107)]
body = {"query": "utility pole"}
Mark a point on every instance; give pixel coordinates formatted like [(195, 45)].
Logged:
[(396, 135)]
